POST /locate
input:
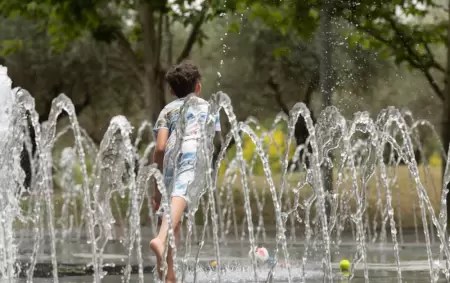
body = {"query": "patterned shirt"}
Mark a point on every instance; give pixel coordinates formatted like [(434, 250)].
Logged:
[(195, 116)]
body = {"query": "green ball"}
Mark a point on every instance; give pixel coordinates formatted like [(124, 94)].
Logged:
[(344, 265)]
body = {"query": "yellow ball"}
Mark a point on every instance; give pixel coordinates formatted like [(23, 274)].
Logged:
[(344, 265), (213, 264)]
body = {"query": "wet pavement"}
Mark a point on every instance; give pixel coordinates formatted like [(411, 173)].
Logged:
[(75, 260), (312, 277)]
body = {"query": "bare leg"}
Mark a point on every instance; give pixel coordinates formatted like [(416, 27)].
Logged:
[(158, 244), (171, 275)]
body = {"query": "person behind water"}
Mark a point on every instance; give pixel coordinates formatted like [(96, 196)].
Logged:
[(185, 82)]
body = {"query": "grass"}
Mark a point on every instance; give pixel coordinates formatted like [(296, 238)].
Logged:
[(404, 199), (404, 195)]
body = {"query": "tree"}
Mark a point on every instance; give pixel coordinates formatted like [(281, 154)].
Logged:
[(274, 69), (140, 31), (79, 72), (408, 31)]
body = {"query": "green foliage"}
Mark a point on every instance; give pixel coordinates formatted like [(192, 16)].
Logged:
[(68, 20), (281, 51), (234, 27), (300, 17), (11, 46), (77, 171), (274, 146), (64, 21), (400, 29), (381, 27)]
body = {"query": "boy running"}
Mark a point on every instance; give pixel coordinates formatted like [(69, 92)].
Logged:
[(183, 80)]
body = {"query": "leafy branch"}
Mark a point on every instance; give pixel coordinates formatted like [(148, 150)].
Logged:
[(403, 44)]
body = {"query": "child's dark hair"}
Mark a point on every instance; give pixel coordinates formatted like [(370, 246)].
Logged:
[(183, 78)]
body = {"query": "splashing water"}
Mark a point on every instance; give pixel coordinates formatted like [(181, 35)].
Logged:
[(258, 190), (9, 209)]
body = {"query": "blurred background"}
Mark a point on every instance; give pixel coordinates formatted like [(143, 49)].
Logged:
[(110, 57)]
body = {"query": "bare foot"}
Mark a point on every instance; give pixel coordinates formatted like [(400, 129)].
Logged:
[(158, 249), (171, 274), (170, 278)]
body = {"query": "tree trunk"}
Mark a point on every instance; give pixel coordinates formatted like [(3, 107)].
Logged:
[(153, 78), (154, 95), (325, 79)]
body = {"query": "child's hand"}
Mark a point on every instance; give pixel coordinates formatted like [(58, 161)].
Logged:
[(156, 201), (155, 204)]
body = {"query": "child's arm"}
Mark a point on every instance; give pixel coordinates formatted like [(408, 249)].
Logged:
[(158, 157), (160, 147)]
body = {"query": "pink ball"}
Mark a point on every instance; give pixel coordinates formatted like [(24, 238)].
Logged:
[(261, 254)]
